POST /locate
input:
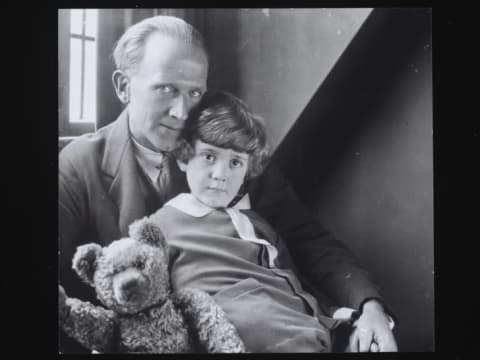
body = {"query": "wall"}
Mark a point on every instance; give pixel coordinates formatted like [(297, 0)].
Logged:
[(353, 125), (112, 25), (275, 59), (370, 178), (380, 201)]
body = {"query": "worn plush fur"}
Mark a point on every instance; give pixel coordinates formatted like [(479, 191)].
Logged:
[(141, 314)]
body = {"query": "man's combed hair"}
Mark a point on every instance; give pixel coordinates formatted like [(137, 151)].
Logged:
[(128, 52), (223, 120)]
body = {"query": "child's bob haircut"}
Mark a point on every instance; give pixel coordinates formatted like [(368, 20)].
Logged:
[(223, 120)]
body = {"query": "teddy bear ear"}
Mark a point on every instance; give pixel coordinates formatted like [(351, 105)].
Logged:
[(85, 261), (145, 230)]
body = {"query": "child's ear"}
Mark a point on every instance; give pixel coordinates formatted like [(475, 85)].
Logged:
[(182, 165)]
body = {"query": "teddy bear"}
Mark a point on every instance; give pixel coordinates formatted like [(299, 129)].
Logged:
[(141, 313)]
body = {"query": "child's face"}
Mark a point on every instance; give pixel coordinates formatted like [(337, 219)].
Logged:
[(215, 174)]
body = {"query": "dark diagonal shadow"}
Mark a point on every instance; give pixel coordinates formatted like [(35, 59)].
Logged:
[(345, 103)]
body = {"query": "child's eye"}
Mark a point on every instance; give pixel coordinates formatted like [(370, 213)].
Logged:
[(236, 163), (209, 157)]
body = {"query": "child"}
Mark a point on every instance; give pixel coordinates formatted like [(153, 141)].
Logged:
[(230, 251)]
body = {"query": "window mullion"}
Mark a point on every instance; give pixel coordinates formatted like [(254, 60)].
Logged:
[(82, 65)]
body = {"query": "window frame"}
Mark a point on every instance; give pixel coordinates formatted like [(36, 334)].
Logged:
[(67, 128)]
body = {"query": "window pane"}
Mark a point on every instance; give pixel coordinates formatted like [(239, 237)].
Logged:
[(75, 79), (91, 22), (90, 93), (76, 21)]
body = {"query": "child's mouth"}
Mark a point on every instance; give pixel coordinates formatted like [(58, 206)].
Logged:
[(217, 189)]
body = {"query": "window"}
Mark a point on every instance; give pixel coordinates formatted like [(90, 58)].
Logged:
[(83, 65), (77, 66)]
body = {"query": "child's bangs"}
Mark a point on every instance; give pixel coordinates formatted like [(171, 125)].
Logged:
[(238, 141), (225, 132)]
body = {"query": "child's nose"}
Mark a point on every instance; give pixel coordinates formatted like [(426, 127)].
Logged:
[(219, 172)]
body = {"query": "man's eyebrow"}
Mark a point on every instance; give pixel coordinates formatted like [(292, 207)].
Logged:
[(162, 83), (169, 79)]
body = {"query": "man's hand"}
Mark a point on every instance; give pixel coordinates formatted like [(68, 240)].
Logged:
[(371, 331)]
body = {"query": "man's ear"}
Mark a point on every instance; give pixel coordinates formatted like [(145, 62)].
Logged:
[(121, 83)]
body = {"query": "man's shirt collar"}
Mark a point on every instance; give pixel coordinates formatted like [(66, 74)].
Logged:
[(190, 205), (149, 160)]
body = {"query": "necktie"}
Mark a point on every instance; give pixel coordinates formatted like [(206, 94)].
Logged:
[(163, 180)]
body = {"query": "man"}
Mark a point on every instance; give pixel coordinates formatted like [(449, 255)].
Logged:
[(123, 172)]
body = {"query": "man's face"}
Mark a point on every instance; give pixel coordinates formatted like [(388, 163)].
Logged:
[(215, 174), (168, 82)]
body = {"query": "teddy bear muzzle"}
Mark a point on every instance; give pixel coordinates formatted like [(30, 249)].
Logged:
[(130, 287)]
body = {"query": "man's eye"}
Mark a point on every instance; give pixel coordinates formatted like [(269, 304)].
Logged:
[(196, 93), (166, 89)]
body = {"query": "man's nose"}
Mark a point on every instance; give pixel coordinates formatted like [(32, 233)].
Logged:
[(179, 109)]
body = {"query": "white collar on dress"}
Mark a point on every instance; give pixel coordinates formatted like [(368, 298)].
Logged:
[(190, 205)]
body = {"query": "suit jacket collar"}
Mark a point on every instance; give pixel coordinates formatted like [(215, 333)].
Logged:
[(116, 143), (119, 163)]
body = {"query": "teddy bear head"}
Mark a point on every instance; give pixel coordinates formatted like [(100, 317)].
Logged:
[(130, 274)]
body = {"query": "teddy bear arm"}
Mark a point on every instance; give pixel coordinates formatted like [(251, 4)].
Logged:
[(216, 334), (92, 326)]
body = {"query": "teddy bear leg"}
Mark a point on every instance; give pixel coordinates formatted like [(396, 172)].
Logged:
[(215, 332)]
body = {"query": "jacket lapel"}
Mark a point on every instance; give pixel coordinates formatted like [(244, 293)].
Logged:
[(260, 225), (120, 164)]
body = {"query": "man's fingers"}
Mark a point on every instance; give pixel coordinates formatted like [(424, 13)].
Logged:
[(364, 340), (374, 347), (388, 344), (353, 341)]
